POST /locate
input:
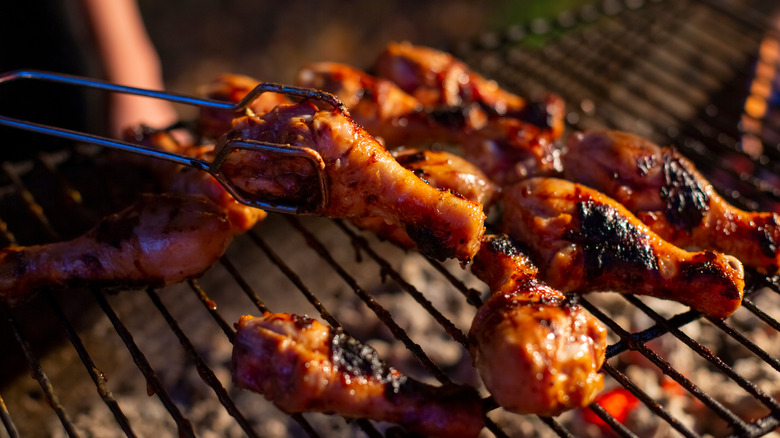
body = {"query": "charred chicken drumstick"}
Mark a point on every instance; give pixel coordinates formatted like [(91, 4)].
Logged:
[(303, 366), (583, 241), (362, 179), (666, 192), (536, 351)]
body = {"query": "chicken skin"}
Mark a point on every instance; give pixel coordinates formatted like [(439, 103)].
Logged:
[(666, 192), (303, 366), (536, 351), (213, 123), (438, 79), (388, 112), (583, 241), (442, 170), (361, 179)]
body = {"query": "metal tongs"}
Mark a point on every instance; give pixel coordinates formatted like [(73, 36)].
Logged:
[(223, 148)]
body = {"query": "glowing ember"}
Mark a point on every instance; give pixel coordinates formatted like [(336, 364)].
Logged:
[(618, 402)]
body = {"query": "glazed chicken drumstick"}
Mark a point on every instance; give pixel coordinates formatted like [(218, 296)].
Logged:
[(303, 366), (437, 78), (361, 179), (583, 241), (158, 240), (666, 192), (443, 171), (505, 147), (536, 351)]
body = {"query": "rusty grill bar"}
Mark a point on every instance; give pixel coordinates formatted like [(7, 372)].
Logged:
[(604, 61)]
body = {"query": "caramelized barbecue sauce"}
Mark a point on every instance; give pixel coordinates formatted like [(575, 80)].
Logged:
[(360, 360), (686, 201), (608, 240)]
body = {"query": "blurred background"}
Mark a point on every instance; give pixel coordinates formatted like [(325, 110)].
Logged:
[(196, 40)]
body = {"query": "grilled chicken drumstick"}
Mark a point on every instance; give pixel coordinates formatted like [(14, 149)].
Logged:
[(303, 366), (388, 112), (437, 78), (536, 351), (506, 148), (583, 240), (158, 240), (442, 170), (361, 177), (666, 192)]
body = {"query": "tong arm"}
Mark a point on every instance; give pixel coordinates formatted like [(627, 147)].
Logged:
[(224, 149)]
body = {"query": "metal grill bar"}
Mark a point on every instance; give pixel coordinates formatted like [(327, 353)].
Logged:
[(618, 427), (380, 311), (705, 135), (707, 354), (734, 421), (648, 401), (295, 279), (205, 372), (5, 417), (386, 269), (39, 373), (748, 304), (154, 383), (98, 378)]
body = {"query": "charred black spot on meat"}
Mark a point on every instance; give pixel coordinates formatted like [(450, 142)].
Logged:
[(409, 159), (16, 258), (686, 200), (502, 244), (707, 271), (91, 263), (359, 360), (116, 229), (451, 116), (429, 242), (608, 240), (535, 113), (420, 173)]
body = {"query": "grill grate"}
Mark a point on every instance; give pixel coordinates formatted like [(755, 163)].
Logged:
[(676, 72)]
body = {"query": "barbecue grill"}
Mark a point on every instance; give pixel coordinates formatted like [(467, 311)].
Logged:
[(696, 75)]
